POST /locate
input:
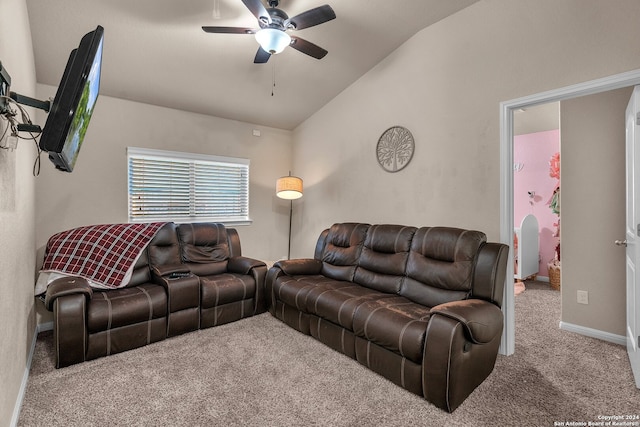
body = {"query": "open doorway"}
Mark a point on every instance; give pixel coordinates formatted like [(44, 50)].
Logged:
[(507, 111), (536, 190)]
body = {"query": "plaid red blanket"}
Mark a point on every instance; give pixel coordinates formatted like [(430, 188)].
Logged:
[(103, 254)]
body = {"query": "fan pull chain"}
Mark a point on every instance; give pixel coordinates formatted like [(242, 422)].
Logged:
[(273, 76)]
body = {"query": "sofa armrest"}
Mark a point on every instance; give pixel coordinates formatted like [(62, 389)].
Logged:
[(290, 267), (67, 297), (168, 270), (459, 352), (490, 273), (66, 286), (258, 270), (243, 265), (481, 319), (294, 267), (183, 296)]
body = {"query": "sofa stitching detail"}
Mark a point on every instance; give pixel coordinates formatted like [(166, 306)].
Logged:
[(244, 296), (368, 352), (395, 242), (456, 248), (366, 323), (144, 291), (450, 346), (56, 309), (108, 324), (315, 304), (217, 295), (401, 337), (296, 297), (342, 306), (85, 334)]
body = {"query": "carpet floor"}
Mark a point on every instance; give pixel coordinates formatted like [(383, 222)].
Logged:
[(259, 372)]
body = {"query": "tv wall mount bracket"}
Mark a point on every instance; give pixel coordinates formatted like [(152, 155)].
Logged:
[(5, 84)]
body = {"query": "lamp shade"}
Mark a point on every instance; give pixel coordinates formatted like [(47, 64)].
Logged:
[(289, 187), (273, 40)]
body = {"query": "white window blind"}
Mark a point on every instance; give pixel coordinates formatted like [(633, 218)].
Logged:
[(184, 187)]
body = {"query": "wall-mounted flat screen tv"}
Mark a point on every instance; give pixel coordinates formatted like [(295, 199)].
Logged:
[(74, 102)]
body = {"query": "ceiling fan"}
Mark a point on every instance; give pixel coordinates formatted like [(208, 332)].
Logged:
[(274, 24)]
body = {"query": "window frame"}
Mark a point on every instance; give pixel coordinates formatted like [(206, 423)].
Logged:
[(191, 159)]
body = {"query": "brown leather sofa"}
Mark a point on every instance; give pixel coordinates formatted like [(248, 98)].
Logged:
[(190, 276), (420, 306)]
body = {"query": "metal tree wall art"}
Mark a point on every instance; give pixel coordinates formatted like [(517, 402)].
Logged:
[(395, 149)]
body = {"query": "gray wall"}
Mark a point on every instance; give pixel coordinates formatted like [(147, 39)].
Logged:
[(17, 254), (96, 191), (445, 85), (592, 200)]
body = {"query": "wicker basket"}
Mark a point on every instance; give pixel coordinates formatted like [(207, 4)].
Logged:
[(554, 276)]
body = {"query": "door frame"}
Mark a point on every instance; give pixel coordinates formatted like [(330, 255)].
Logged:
[(617, 81)]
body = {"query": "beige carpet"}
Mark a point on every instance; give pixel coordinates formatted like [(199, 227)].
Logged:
[(259, 372), (518, 288)]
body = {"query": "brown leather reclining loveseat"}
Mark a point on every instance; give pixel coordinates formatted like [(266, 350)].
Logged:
[(189, 276), (420, 306)]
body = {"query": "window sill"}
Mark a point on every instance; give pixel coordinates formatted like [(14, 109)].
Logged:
[(226, 222)]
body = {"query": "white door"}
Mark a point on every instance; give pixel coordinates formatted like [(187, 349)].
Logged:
[(633, 231)]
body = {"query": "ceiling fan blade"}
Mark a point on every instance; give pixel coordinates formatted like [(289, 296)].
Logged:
[(308, 48), (262, 56), (259, 11), (316, 16), (230, 30)]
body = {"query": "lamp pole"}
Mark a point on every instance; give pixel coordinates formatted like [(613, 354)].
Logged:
[(290, 219), (290, 188)]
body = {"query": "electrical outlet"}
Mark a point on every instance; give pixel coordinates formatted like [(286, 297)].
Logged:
[(583, 297)]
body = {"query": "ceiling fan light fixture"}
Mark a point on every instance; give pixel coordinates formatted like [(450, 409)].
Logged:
[(273, 40)]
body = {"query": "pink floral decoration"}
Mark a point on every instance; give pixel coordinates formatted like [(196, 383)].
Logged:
[(554, 166)]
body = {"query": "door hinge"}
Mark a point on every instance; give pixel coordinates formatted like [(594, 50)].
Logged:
[(638, 230), (638, 118)]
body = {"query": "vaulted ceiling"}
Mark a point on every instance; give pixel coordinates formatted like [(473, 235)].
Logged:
[(157, 53)]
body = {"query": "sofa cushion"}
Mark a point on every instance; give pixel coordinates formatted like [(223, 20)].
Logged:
[(164, 248), (342, 249), (226, 288), (293, 290), (383, 259), (205, 247), (126, 306), (441, 265), (396, 323), (339, 303)]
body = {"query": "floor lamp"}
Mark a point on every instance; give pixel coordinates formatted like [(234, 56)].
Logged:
[(289, 188)]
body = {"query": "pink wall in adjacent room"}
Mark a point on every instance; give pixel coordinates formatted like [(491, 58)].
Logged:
[(534, 151)]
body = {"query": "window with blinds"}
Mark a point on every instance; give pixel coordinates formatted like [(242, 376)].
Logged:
[(184, 187)]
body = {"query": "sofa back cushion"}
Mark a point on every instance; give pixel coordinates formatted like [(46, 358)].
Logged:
[(164, 248), (441, 264), (384, 257), (141, 273), (342, 247), (204, 247)]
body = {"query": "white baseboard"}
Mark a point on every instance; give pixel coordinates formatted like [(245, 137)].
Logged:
[(43, 327), (594, 333), (25, 378)]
